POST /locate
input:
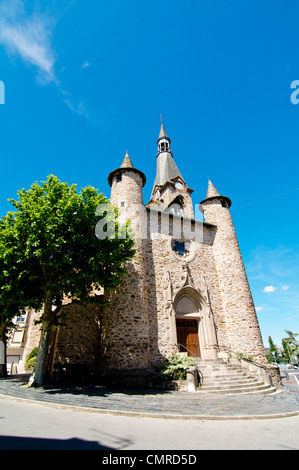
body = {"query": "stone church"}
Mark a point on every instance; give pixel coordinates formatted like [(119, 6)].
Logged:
[(185, 290)]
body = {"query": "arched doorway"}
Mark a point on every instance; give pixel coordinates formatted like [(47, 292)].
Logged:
[(187, 313), (194, 324), (187, 336)]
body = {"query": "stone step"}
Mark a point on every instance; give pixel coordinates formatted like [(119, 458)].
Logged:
[(235, 389), (183, 354), (219, 373), (221, 367), (228, 386), (229, 380), (219, 377), (215, 375)]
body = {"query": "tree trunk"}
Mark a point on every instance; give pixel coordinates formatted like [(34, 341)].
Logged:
[(3, 370), (38, 376)]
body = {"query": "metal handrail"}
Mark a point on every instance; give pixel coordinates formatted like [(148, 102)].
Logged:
[(226, 349)]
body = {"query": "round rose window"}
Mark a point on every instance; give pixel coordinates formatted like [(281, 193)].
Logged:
[(181, 247)]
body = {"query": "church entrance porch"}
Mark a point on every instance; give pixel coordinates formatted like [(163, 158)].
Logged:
[(187, 336), (192, 324)]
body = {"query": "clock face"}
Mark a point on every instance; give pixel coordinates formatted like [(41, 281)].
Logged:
[(178, 185)]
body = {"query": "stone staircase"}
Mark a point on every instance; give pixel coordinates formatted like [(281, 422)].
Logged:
[(220, 377)]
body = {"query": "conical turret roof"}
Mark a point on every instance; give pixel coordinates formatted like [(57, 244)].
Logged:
[(126, 165), (213, 193)]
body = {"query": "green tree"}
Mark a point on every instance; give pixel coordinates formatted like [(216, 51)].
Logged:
[(8, 310), (7, 307), (273, 354), (291, 345), (286, 352), (57, 255), (12, 300)]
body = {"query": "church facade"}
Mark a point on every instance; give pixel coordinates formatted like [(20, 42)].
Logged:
[(187, 287), (185, 290)]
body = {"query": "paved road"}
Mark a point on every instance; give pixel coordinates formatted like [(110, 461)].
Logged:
[(158, 403), (32, 426), (98, 418)]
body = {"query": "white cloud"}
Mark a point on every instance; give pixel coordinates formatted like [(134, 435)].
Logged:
[(258, 309), (79, 108), (269, 289), (28, 36), (285, 287), (85, 65)]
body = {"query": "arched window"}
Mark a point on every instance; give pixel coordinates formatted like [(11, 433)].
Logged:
[(175, 209)]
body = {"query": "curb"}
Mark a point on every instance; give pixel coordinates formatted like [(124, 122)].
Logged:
[(140, 414)]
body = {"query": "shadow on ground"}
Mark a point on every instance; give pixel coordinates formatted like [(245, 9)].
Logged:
[(33, 443), (91, 390)]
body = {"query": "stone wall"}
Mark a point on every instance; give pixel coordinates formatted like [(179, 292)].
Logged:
[(78, 339), (140, 320), (242, 328), (166, 275)]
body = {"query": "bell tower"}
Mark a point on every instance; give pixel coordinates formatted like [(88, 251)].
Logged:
[(170, 192)]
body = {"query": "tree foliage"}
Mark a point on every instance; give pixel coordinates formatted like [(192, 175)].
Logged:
[(55, 254), (291, 347), (273, 353), (11, 286)]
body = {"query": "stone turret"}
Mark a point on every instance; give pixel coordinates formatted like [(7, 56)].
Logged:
[(242, 328), (126, 184), (125, 338)]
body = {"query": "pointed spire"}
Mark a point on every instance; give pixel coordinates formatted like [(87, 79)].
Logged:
[(127, 163), (212, 191), (162, 134)]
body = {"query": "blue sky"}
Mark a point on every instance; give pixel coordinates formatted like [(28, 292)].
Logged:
[(87, 80)]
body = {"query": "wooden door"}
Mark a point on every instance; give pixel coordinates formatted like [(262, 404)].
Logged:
[(187, 335)]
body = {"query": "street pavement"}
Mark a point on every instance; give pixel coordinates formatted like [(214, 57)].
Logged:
[(30, 426), (157, 403), (61, 417)]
